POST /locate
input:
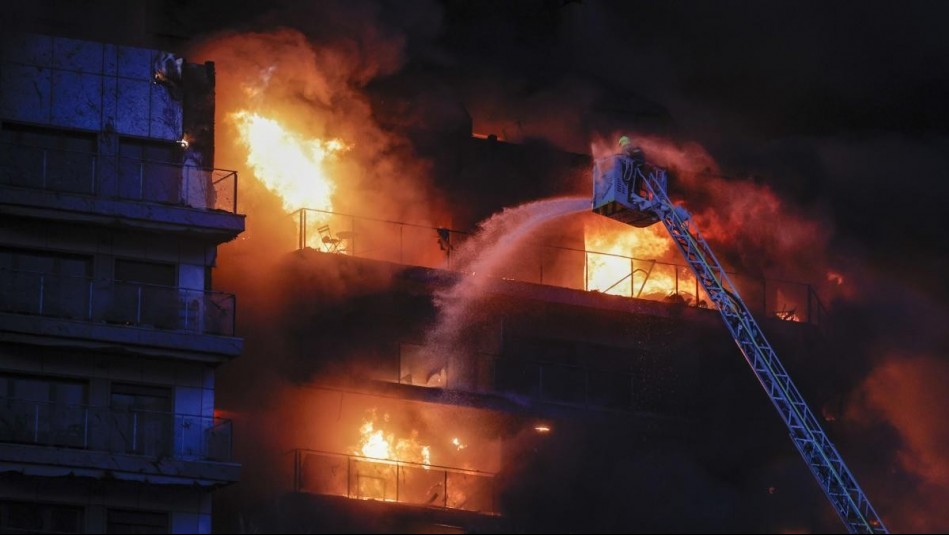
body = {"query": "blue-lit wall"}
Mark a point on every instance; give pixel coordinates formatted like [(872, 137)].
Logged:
[(67, 83)]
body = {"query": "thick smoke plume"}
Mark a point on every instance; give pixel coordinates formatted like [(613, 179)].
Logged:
[(748, 223), (316, 92), (314, 88)]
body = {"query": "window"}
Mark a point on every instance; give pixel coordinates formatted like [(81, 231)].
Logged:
[(143, 419), (44, 282), (420, 367), (59, 160), (566, 371), (134, 522), (149, 170), (48, 262), (42, 410), (145, 294), (24, 517), (146, 272)]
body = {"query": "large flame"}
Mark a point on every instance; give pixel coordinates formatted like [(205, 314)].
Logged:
[(613, 274), (636, 262), (375, 443), (287, 163)]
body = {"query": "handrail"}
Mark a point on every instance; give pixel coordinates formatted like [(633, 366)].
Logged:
[(117, 302), (355, 238), (367, 478), (131, 431), (118, 177)]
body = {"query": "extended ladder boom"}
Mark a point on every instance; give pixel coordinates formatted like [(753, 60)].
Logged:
[(819, 453)]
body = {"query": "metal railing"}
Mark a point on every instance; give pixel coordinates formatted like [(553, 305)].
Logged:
[(116, 177), (118, 303), (365, 478), (554, 265), (136, 432)]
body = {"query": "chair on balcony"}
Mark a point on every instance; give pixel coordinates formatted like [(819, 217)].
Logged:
[(330, 244)]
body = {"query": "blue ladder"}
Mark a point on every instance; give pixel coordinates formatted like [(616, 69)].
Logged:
[(819, 453)]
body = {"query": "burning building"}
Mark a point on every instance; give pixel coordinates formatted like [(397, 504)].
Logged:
[(404, 369), (547, 371), (110, 332)]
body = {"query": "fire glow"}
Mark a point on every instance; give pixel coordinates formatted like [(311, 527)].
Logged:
[(613, 274), (376, 444), (290, 165)]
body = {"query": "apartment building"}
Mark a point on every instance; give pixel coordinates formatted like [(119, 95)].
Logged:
[(111, 212)]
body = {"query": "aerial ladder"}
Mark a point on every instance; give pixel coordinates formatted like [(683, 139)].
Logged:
[(629, 190)]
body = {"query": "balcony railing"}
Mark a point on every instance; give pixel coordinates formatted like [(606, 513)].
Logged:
[(146, 433), (117, 303), (365, 478), (117, 177), (567, 267)]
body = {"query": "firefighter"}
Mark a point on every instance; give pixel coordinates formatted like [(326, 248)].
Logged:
[(637, 160), (627, 148)]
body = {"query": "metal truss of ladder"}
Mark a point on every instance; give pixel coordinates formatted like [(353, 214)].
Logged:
[(819, 453)]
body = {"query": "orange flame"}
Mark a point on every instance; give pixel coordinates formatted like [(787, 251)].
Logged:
[(290, 165), (375, 443), (614, 274), (635, 262), (787, 308)]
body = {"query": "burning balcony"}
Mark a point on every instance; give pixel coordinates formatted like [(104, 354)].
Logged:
[(364, 446), (366, 478), (597, 266)]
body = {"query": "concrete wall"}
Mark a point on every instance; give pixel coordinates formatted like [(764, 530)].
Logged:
[(66, 83)]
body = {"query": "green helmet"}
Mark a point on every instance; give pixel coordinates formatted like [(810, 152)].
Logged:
[(624, 141)]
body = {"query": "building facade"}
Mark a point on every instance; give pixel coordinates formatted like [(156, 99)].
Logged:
[(558, 409), (111, 212)]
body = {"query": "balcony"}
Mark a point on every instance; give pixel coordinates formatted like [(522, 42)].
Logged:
[(60, 184), (365, 478), (552, 265), (88, 439), (123, 313)]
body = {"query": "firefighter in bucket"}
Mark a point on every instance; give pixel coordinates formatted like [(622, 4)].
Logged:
[(637, 165), (619, 186)]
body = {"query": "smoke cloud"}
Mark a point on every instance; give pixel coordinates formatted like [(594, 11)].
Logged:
[(906, 395), (314, 90)]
